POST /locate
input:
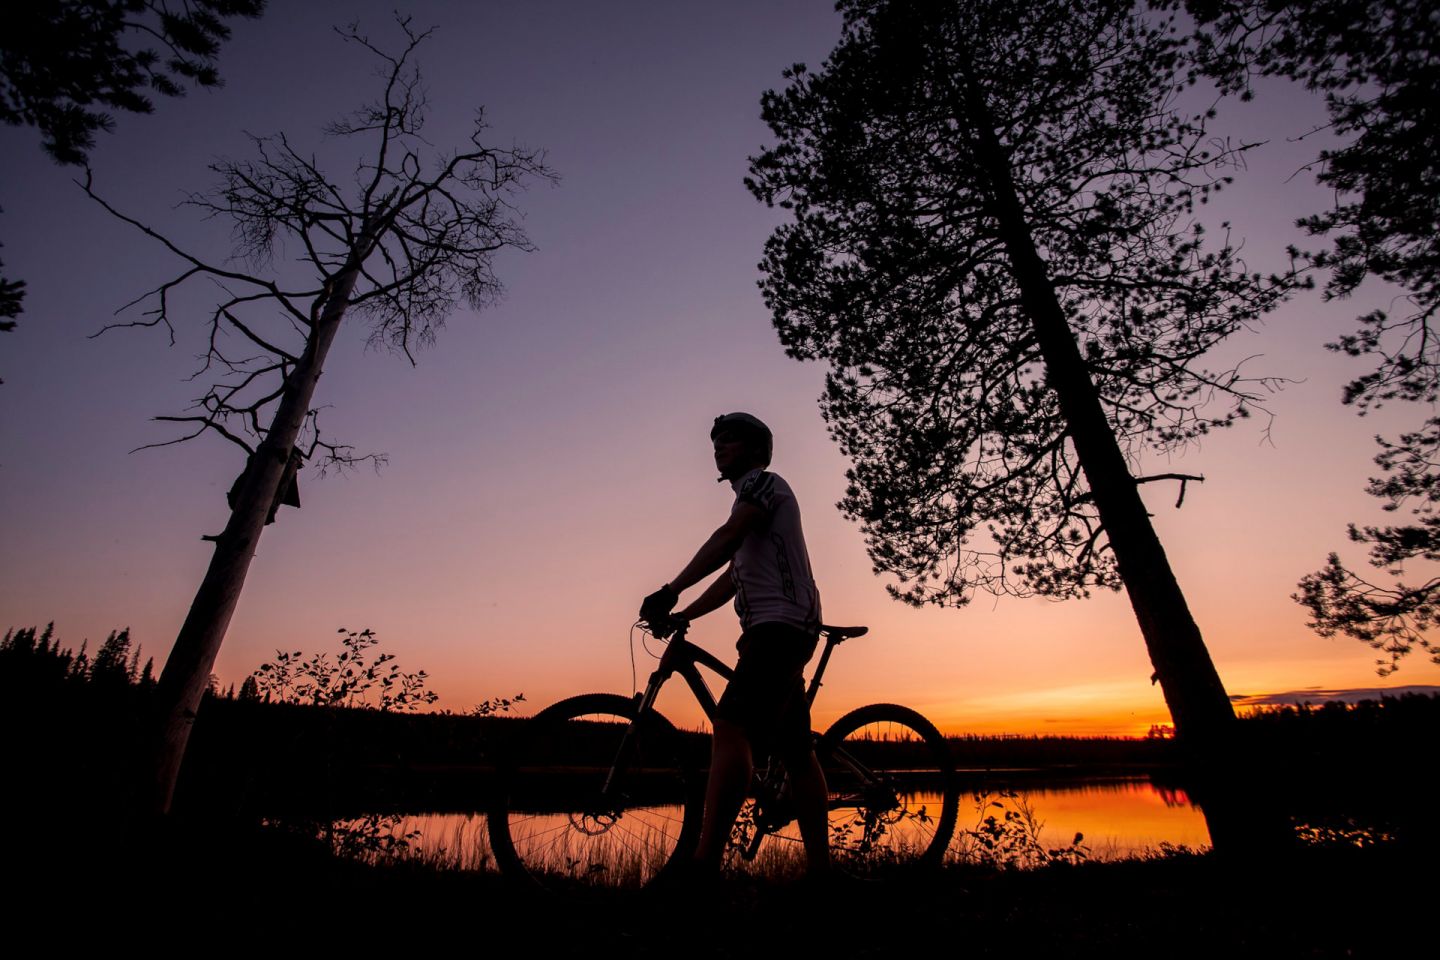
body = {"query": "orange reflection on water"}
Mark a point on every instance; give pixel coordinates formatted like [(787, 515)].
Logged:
[(1118, 818)]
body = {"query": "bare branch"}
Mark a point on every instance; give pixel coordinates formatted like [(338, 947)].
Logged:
[(206, 423), (411, 240), (1184, 478)]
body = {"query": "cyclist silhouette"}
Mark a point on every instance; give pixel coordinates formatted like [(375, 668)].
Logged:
[(764, 708)]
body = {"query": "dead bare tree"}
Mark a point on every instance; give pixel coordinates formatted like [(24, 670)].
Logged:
[(414, 234)]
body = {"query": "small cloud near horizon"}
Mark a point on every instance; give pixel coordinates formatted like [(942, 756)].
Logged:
[(1322, 695)]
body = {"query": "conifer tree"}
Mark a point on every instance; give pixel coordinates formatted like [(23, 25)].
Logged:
[(65, 63), (80, 666), (111, 664), (994, 246)]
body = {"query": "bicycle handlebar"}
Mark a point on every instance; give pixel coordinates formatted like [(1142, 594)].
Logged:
[(671, 625)]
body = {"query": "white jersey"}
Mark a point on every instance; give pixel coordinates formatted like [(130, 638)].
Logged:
[(771, 571)]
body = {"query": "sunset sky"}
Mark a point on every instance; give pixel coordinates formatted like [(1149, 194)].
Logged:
[(549, 462)]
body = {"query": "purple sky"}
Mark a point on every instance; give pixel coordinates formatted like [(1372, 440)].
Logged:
[(548, 461)]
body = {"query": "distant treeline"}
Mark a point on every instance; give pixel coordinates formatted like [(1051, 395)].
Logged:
[(77, 732), (73, 723), (1384, 715), (28, 656), (1083, 754), (76, 727), (1407, 722)]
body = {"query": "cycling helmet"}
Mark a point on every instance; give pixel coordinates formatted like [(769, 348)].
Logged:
[(751, 429)]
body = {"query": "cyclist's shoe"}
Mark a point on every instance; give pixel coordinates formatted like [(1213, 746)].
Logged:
[(826, 883), (686, 880)]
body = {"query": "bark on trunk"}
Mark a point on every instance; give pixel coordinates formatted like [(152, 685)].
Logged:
[(1204, 718), (187, 669), (1191, 685)]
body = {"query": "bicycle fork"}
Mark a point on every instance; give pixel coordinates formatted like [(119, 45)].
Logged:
[(645, 702)]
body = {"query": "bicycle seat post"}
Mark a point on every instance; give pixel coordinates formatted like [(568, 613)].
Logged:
[(815, 684), (834, 636)]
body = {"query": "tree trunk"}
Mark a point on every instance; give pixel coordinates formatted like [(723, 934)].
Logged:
[(187, 669), (1204, 720), (1191, 685)]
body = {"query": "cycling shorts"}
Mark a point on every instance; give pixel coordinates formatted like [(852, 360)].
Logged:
[(766, 697)]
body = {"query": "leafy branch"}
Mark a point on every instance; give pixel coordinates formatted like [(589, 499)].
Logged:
[(356, 678)]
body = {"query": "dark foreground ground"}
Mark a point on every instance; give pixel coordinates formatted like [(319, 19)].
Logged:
[(104, 885)]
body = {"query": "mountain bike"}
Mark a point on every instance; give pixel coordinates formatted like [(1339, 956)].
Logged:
[(600, 790)]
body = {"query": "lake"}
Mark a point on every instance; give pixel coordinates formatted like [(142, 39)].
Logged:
[(1118, 817)]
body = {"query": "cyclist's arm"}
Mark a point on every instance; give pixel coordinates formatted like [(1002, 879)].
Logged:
[(720, 592), (720, 548)]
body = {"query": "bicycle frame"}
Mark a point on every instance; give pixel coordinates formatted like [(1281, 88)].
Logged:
[(683, 657), (652, 767)]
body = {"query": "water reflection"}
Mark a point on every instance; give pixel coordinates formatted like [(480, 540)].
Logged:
[(1118, 818), (606, 849)]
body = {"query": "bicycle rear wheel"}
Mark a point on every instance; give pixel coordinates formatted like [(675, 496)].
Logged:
[(554, 819), (893, 798)]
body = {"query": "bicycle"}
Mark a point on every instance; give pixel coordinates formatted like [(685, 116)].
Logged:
[(603, 791)]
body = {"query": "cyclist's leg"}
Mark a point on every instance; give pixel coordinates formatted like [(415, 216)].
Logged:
[(808, 789), (731, 767), (796, 748), (766, 700)]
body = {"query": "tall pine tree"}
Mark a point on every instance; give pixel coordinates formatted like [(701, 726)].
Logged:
[(993, 246)]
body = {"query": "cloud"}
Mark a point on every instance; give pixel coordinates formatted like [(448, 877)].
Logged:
[(1322, 695)]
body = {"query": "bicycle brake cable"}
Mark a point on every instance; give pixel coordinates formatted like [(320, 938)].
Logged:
[(634, 683), (645, 634)]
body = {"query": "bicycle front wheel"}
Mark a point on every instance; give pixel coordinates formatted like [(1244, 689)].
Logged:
[(893, 798), (589, 798)]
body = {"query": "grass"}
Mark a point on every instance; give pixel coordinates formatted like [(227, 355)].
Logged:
[(117, 882)]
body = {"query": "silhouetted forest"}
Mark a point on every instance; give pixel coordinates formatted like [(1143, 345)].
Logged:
[(77, 728), (76, 724)]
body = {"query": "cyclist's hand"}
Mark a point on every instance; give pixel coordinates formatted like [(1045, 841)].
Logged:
[(668, 625), (656, 607)]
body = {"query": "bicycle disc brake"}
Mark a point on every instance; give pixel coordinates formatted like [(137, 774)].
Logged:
[(597, 820), (593, 824)]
